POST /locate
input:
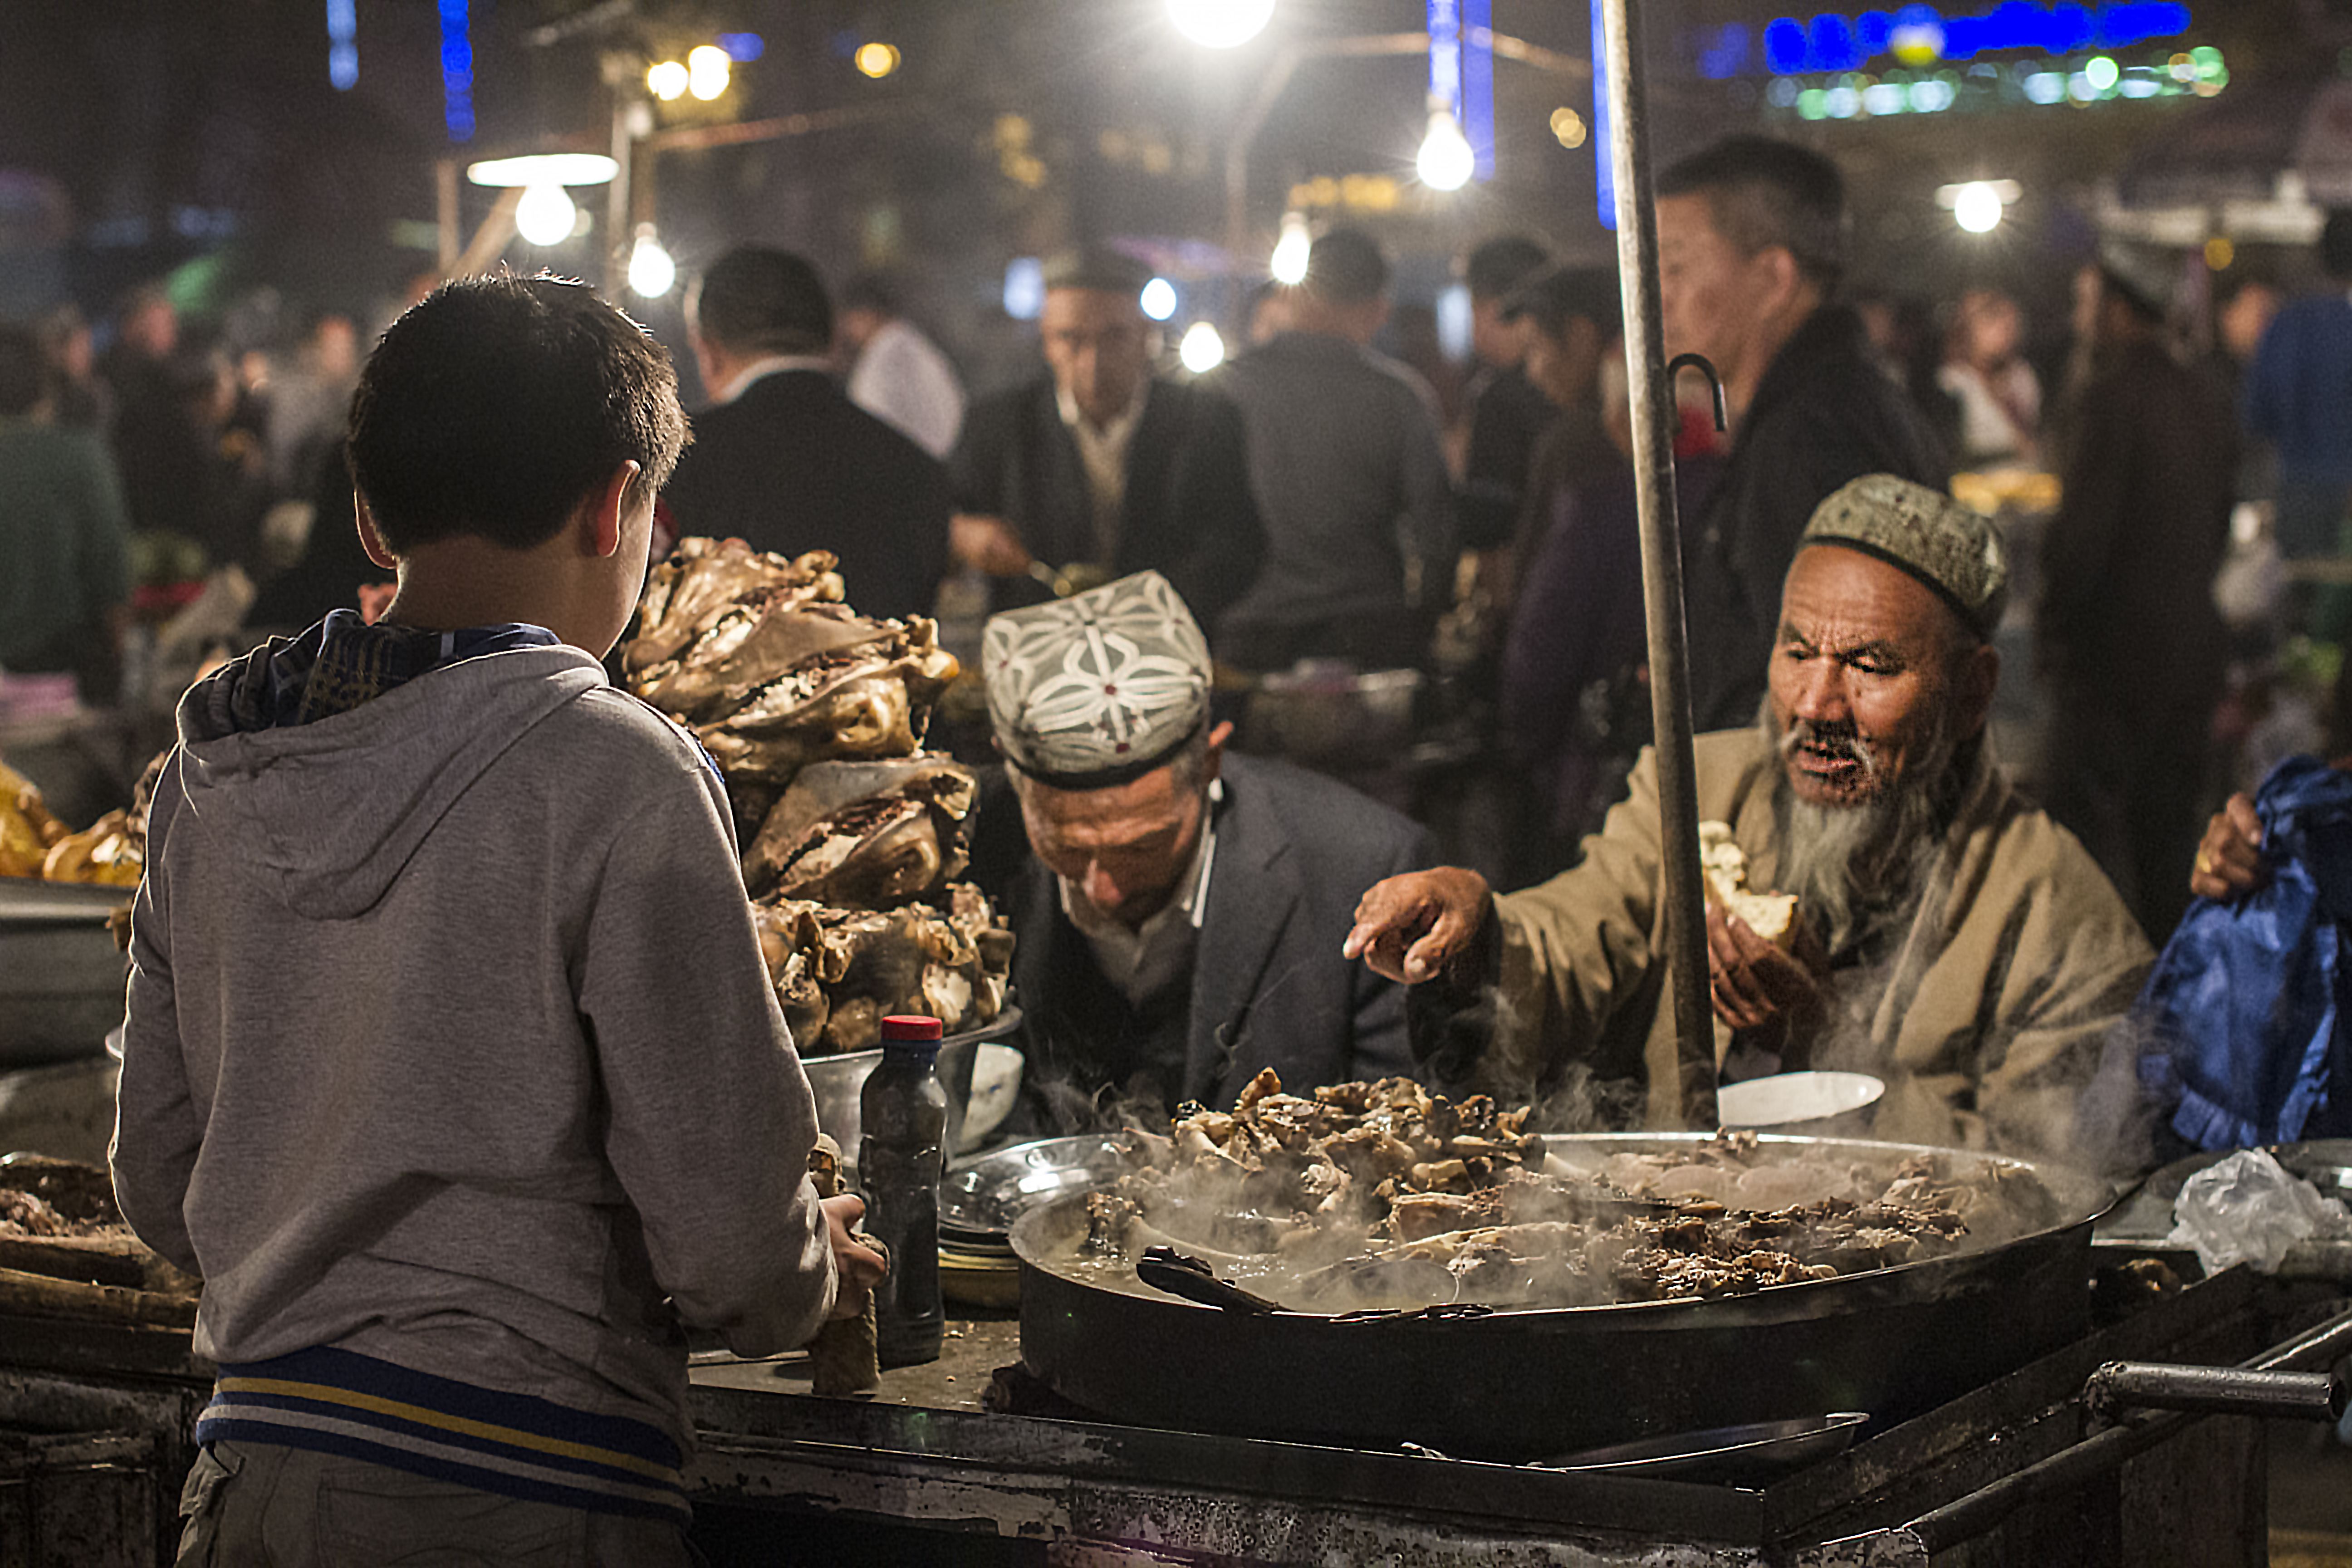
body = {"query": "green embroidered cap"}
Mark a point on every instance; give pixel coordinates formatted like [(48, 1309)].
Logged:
[(1953, 549)]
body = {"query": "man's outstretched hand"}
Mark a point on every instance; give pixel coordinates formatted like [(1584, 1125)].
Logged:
[(1409, 928), (2229, 856)]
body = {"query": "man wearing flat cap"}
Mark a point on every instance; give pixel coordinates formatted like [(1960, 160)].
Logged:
[(1098, 468), (1178, 911), (1948, 937)]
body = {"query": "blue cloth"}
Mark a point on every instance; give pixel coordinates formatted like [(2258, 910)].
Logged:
[(2248, 1001), (2299, 389)]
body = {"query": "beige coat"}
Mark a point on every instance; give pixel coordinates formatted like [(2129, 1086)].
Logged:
[(1988, 1023)]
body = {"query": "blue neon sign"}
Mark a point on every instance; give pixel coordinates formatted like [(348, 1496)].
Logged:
[(1833, 41), (457, 71)]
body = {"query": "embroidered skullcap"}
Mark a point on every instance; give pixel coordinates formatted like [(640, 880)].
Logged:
[(1097, 689), (1955, 550)]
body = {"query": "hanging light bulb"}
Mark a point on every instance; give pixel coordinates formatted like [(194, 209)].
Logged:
[(706, 71), (1201, 349), (1290, 251), (1221, 23), (1977, 207), (545, 216), (1158, 299), (651, 271), (1445, 161)]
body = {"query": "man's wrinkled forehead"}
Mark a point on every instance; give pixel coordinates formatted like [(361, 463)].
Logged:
[(1840, 600), (1114, 816)]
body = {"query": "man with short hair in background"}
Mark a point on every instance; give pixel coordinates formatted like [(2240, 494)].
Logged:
[(1508, 412), (783, 459), (1751, 251), (64, 534), (1098, 468), (1345, 459)]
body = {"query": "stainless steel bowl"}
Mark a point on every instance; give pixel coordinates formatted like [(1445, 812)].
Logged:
[(62, 976), (1330, 712)]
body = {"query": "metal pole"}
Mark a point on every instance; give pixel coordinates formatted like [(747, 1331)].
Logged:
[(1651, 386), (619, 235)]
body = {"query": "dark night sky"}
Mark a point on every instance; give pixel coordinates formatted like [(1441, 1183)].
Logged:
[(168, 124)]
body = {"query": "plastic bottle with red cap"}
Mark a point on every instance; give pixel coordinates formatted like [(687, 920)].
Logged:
[(903, 1111)]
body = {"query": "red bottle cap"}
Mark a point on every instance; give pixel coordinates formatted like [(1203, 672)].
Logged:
[(910, 1028)]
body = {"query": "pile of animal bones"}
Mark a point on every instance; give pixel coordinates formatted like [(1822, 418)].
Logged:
[(853, 832)]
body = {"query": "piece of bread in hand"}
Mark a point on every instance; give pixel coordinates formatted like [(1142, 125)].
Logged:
[(1772, 916)]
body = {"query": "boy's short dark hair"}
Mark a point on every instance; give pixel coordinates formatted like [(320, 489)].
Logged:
[(1345, 267), (1500, 265), (23, 373), (1762, 193), (498, 405), (756, 300)]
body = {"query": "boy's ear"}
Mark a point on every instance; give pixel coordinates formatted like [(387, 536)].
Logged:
[(601, 524), (370, 540)]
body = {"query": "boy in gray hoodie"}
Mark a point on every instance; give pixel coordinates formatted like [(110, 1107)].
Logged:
[(451, 1063)]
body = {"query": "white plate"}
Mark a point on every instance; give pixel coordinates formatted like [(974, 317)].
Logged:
[(1789, 1097), (995, 1084)]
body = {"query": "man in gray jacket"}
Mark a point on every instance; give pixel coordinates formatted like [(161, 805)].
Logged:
[(1350, 477), (451, 1063)]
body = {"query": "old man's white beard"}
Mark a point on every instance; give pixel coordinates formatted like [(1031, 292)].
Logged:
[(1852, 867)]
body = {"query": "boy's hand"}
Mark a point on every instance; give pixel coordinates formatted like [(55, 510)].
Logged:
[(861, 1267)]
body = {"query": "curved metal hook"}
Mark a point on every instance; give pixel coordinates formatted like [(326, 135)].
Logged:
[(1714, 382)]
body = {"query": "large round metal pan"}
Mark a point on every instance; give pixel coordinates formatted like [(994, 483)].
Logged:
[(1516, 1385)]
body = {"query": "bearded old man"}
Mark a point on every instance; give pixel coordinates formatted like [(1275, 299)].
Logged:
[(1950, 937)]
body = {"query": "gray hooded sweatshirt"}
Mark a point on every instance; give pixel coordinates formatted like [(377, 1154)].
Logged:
[(450, 1043)]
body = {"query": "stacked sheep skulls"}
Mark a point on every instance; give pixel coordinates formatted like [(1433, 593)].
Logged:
[(816, 715)]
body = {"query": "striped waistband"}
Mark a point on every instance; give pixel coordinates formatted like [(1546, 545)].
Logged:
[(338, 1401)]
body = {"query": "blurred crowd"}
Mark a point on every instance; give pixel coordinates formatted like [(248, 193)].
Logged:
[(1341, 501)]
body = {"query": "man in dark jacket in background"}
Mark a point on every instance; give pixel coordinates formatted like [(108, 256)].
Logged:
[(783, 460), (1099, 469), (1508, 414), (1179, 912), (1751, 247), (2130, 641)]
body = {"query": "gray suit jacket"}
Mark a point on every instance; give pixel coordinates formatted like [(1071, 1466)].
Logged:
[(1269, 988)]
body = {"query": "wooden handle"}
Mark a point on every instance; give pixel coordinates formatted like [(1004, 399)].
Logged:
[(844, 1357)]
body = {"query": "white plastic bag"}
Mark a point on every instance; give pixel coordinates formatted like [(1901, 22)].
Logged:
[(2248, 1209)]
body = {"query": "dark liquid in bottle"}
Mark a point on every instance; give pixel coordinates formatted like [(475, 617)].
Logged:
[(903, 1113)]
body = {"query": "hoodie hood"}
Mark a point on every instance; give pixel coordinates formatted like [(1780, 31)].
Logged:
[(327, 812)]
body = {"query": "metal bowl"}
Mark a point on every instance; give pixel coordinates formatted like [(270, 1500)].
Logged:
[(838, 1080), (1324, 712), (62, 975)]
